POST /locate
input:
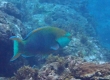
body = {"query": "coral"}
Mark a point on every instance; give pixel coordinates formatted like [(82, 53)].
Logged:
[(61, 64), (83, 39), (91, 70), (51, 58), (85, 70), (78, 68), (71, 68), (26, 72)]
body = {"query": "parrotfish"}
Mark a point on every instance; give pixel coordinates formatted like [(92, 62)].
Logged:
[(40, 41)]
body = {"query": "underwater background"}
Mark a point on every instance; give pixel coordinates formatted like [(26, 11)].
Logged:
[(86, 57)]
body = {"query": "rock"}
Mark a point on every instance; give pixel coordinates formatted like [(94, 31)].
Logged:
[(10, 9), (9, 26)]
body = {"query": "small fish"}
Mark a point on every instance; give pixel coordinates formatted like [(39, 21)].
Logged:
[(40, 41)]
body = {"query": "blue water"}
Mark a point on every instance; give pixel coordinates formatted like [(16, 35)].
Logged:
[(100, 10)]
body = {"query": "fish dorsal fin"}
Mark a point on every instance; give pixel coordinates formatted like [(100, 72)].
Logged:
[(28, 35), (32, 33), (38, 29)]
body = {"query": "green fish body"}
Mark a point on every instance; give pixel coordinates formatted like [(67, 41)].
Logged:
[(40, 41)]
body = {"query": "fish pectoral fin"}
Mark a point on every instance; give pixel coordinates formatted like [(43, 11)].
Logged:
[(15, 56), (55, 47)]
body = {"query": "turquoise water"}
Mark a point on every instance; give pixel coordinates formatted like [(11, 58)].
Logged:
[(100, 10)]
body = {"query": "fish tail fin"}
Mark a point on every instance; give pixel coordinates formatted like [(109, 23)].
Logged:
[(18, 46)]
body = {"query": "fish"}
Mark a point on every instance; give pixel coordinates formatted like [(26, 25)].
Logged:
[(43, 40)]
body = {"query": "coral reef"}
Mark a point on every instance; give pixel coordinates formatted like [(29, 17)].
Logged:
[(26, 72), (86, 47), (71, 18), (64, 68), (91, 70)]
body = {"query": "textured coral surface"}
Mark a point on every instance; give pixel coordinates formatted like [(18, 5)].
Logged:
[(64, 68)]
